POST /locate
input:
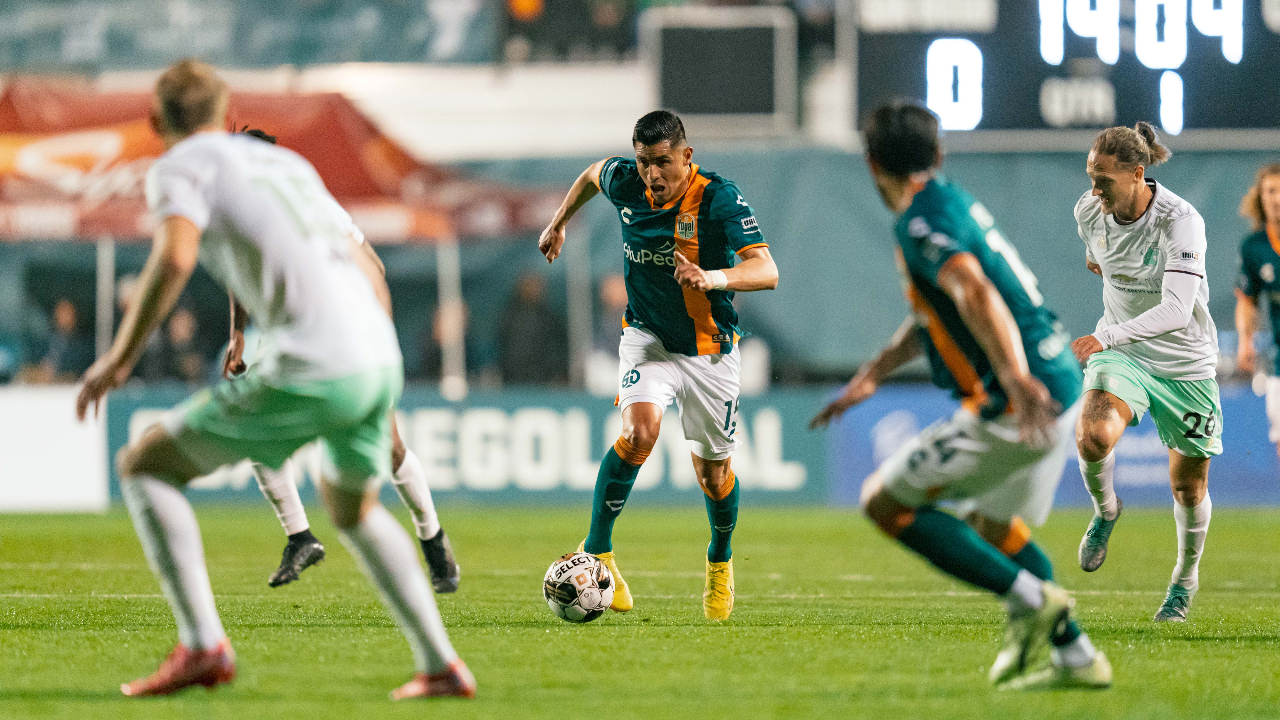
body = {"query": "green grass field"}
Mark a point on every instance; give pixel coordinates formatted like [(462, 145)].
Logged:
[(832, 620)]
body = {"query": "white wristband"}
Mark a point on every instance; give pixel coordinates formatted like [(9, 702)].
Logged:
[(719, 280)]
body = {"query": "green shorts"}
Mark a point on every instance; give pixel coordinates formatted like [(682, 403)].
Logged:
[(247, 418), (1187, 413)]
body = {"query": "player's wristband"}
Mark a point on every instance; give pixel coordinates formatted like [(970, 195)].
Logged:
[(719, 280)]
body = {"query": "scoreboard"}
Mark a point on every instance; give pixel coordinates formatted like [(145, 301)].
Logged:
[(1055, 64)]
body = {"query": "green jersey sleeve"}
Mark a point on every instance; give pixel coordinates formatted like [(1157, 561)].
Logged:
[(1250, 281), (735, 217), (611, 175)]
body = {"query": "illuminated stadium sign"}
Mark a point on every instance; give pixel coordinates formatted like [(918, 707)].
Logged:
[(1077, 63)]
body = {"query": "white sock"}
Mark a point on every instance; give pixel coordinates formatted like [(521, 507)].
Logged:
[(411, 482), (390, 561), (170, 538), (281, 488), (1098, 481), (1027, 593), (1077, 653), (1193, 526)]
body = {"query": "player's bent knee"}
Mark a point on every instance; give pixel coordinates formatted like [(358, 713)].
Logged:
[(1094, 443), (1008, 537), (154, 455), (891, 516), (716, 478)]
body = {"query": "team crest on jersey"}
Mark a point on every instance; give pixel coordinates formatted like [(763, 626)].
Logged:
[(687, 226), (918, 227), (1267, 273), (1150, 257), (1102, 242)]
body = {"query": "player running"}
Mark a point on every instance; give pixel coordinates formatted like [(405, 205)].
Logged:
[(262, 222), (981, 321), (1155, 346), (681, 227), (1259, 260), (280, 487)]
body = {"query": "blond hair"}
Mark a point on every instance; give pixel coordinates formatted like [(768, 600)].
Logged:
[(1251, 203), (189, 96), (1133, 146)]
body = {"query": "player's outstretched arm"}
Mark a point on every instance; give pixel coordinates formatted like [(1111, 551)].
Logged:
[(173, 259), (583, 189), (987, 316), (904, 347), (1246, 326), (757, 271)]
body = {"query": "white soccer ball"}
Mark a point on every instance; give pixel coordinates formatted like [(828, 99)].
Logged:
[(578, 587)]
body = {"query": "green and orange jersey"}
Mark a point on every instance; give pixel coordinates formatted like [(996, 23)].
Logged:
[(710, 224), (943, 222), (1259, 261)]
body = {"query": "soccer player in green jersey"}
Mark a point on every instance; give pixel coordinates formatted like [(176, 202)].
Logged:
[(259, 218), (981, 321), (1259, 260), (1155, 347), (682, 227)]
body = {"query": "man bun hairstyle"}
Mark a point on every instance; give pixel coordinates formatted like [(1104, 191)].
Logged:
[(1251, 204), (657, 126), (256, 133), (1138, 145), (189, 96), (902, 138)]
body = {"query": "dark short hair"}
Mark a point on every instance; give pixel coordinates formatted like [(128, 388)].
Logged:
[(256, 133), (657, 126), (902, 137)]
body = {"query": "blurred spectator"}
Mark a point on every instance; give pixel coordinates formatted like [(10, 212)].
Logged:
[(602, 366), (70, 351), (183, 360), (446, 325), (151, 366), (533, 343)]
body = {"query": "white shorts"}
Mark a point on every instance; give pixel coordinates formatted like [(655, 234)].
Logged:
[(1273, 407), (704, 388), (982, 466)]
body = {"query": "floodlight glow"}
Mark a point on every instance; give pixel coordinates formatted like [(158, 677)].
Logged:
[(1052, 36), (1226, 23), (1153, 50), (1102, 23), (953, 83), (1171, 102)]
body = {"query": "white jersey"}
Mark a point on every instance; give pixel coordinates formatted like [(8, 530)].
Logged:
[(276, 238), (1133, 258)]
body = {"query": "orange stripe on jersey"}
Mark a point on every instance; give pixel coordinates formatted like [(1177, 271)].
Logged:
[(1274, 237), (696, 303), (753, 246), (961, 369)]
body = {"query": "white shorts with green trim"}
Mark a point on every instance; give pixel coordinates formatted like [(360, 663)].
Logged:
[(703, 387), (982, 466)]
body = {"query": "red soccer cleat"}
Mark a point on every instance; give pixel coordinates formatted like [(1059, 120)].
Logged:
[(454, 681), (186, 667)]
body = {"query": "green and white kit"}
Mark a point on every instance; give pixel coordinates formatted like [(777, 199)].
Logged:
[(1160, 343)]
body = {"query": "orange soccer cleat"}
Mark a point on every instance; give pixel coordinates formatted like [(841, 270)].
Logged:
[(454, 681), (186, 667)]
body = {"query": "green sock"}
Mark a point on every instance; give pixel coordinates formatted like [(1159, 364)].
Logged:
[(723, 515), (613, 485), (1034, 561), (957, 550)]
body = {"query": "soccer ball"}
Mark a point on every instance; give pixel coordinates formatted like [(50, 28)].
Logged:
[(578, 587)]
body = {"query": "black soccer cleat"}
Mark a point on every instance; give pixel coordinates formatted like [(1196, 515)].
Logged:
[(445, 572), (303, 551)]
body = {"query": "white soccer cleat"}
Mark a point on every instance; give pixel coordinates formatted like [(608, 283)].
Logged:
[(1029, 631), (1094, 676)]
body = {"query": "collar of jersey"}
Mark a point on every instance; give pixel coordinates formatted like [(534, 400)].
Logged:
[(693, 171), (1155, 190)]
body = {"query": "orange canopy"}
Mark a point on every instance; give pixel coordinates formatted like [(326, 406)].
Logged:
[(73, 164)]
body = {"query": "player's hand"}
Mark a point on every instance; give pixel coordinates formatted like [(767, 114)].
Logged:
[(691, 276), (551, 240), (1246, 359), (1094, 267), (1084, 347), (858, 390), (106, 374), (1035, 411), (233, 361)]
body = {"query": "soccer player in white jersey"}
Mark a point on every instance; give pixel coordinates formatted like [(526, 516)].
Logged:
[(280, 487), (259, 218), (1155, 348)]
